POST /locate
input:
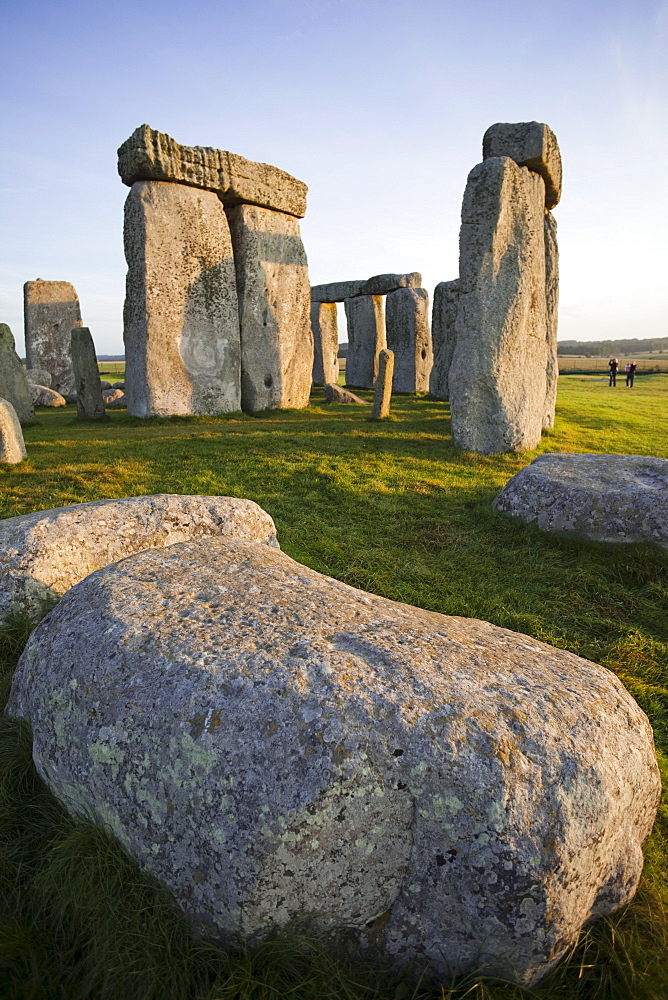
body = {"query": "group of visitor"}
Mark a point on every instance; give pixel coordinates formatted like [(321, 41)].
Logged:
[(630, 370)]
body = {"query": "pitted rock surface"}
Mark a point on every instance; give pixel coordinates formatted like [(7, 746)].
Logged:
[(51, 310), (272, 744), (529, 144), (607, 498), (45, 553)]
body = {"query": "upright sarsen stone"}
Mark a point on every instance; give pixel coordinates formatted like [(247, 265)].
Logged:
[(366, 339), (12, 447), (274, 309), (497, 380), (51, 310), (383, 387), (443, 335), (552, 306), (408, 335), (325, 343), (13, 380), (90, 405), (181, 315)]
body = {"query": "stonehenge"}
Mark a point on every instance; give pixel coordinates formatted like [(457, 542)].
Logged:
[(51, 310), (444, 316), (367, 334), (217, 300)]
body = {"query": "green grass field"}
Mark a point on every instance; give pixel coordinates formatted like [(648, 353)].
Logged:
[(390, 507)]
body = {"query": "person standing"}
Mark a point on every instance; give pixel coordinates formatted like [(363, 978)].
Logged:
[(630, 372), (613, 366)]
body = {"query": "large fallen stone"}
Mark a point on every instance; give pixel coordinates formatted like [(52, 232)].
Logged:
[(181, 317), (408, 335), (324, 325), (43, 396), (552, 316), (443, 336), (273, 744), (13, 381), (497, 381), (608, 498), (380, 284), (12, 447), (51, 310), (274, 309), (336, 394), (90, 405), (150, 155), (529, 144), (45, 553), (365, 320)]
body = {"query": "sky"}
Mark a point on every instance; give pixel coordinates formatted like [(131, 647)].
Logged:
[(378, 105)]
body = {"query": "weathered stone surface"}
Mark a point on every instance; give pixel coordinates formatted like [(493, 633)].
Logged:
[(181, 312), (13, 382), (273, 744), (497, 379), (366, 339), (383, 388), (336, 291), (45, 553), (43, 396), (51, 310), (104, 384), (552, 316), (39, 376), (90, 405), (380, 284), (608, 498), (118, 385), (336, 394), (443, 336), (274, 309), (119, 403), (408, 335), (150, 155), (529, 144), (325, 342), (12, 447)]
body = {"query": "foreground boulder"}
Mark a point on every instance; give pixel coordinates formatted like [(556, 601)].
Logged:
[(273, 744), (608, 498), (45, 553)]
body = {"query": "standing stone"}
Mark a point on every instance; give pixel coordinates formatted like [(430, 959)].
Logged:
[(366, 339), (325, 343), (51, 309), (13, 381), (407, 320), (383, 387), (443, 335), (90, 405), (39, 376), (181, 316), (12, 448), (274, 309), (497, 381), (552, 318)]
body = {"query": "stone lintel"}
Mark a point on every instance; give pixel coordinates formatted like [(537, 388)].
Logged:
[(380, 284), (152, 155), (529, 144)]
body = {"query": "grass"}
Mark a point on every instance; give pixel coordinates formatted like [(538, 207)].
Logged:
[(390, 507)]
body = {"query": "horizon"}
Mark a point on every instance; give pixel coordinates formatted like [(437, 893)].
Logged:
[(379, 109)]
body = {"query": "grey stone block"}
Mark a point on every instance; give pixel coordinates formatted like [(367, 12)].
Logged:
[(13, 380), (51, 310), (529, 144), (12, 447), (408, 335), (443, 335), (324, 325), (90, 405), (366, 338)]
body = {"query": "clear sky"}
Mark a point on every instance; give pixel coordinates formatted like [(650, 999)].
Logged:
[(379, 105)]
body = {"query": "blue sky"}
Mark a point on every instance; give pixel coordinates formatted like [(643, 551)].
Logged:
[(379, 105)]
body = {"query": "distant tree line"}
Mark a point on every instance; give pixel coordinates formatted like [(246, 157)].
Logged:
[(598, 348)]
